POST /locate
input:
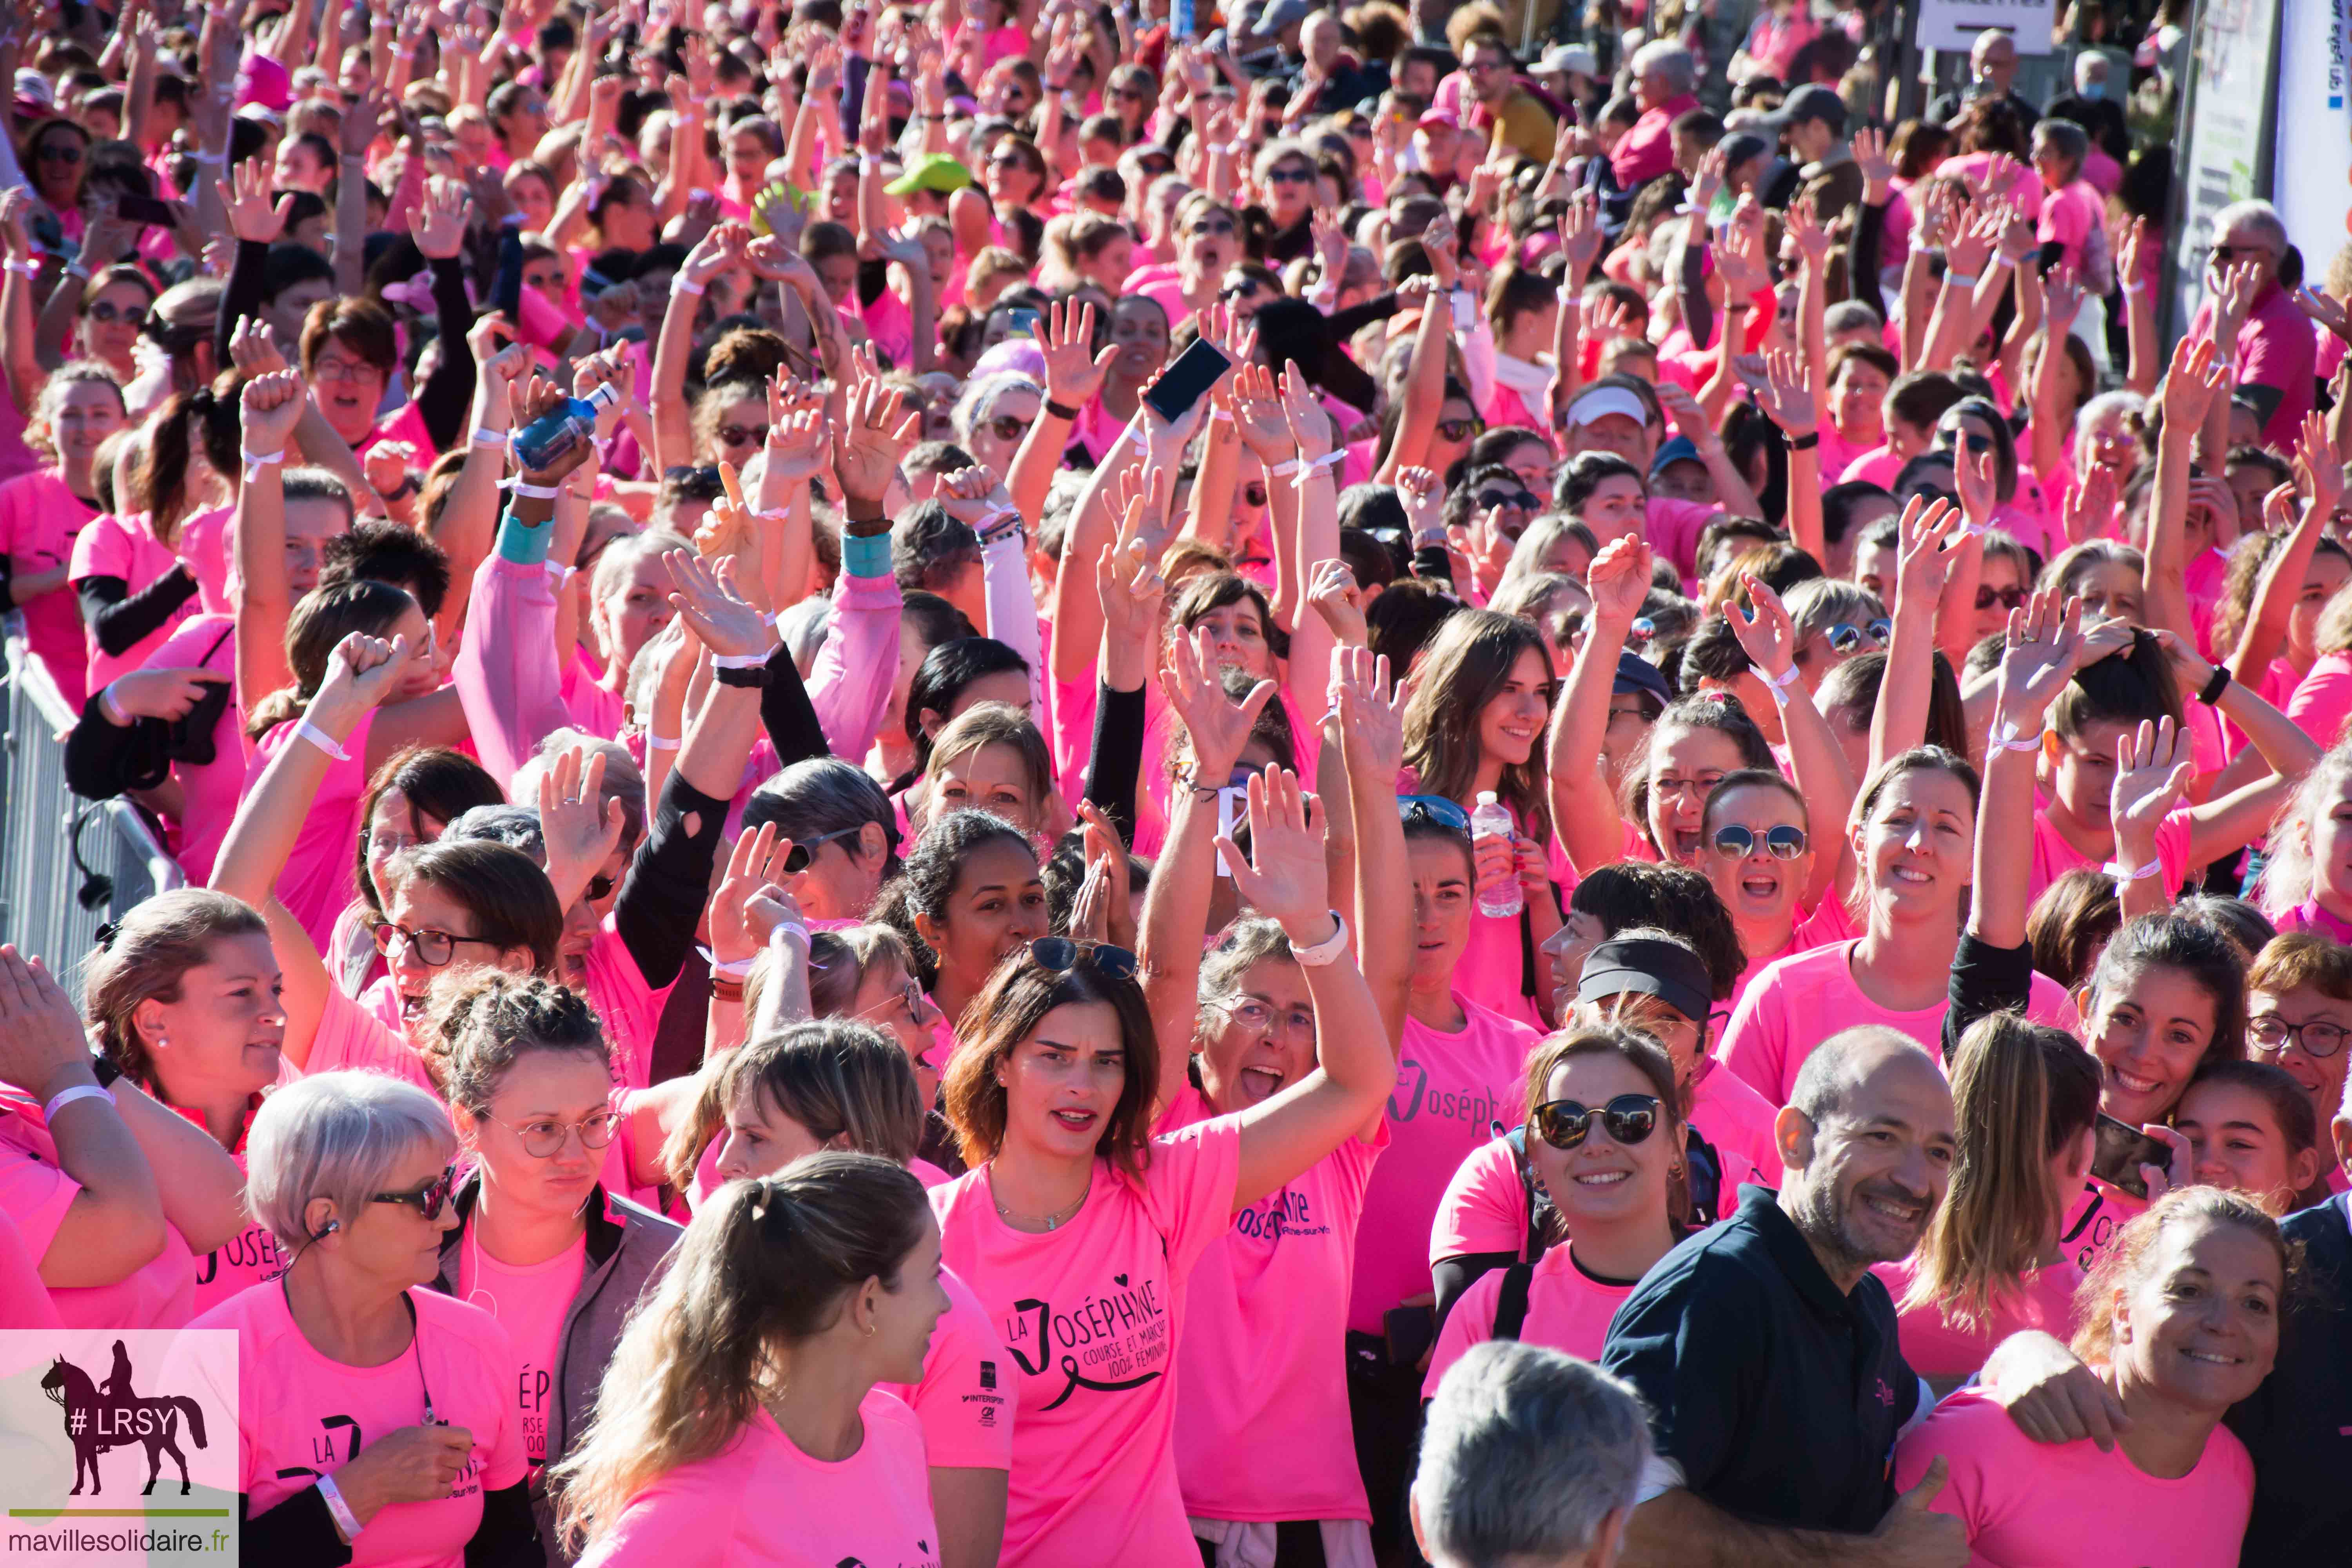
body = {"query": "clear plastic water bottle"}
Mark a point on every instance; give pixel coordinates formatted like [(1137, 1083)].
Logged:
[(551, 437), (1492, 820)]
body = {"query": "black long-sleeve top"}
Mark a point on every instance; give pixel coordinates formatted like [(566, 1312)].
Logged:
[(121, 617), (1115, 756), (668, 881)]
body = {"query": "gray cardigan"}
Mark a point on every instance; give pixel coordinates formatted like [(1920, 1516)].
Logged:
[(628, 1247)]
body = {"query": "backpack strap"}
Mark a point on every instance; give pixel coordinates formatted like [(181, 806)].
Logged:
[(1511, 1306), (1538, 1230)]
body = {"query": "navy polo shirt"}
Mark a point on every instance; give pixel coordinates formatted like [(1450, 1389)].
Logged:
[(2298, 1425), (1778, 1394)]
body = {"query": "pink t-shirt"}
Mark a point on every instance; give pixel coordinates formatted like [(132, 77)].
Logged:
[(1799, 1002), (530, 1304), (35, 1193), (762, 1501), (2053, 857), (630, 1008), (2204, 579), (403, 423), (1568, 1310), (964, 1403), (1880, 466), (2098, 1217), (321, 875), (111, 546), (300, 1415), (2062, 1505), (1935, 1346), (39, 519), (2324, 700), (206, 543), (24, 1300), (2075, 216), (1830, 922), (1452, 1094), (1262, 1425), (2024, 186), (1672, 528), (350, 1039), (1091, 1314), (208, 791)]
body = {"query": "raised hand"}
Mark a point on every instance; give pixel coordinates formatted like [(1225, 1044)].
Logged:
[(1310, 426), (2325, 309), (2318, 466), (251, 350), (1766, 635), (438, 226), (970, 494), (269, 409), (2039, 656), (721, 619), (387, 463), (361, 673), (754, 866), (253, 214), (1788, 393), (1218, 725), (580, 828), (1978, 475), (1333, 596), (1921, 563), (1806, 229), (1258, 414), (1131, 590), (2089, 510), (2233, 298), (1371, 711), (1066, 336), (878, 432), (1877, 165), (1708, 183), (1619, 580), (15, 206), (42, 1047), (2196, 376), (2062, 302), (2152, 765), (1284, 875), (796, 444), (1424, 499)]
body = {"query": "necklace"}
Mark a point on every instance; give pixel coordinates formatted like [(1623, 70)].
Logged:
[(1059, 1217)]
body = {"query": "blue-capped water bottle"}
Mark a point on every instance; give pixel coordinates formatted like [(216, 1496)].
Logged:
[(556, 434)]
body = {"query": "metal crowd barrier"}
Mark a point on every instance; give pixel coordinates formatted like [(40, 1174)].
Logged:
[(48, 906)]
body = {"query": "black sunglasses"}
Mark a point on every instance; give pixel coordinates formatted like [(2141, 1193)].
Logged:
[(1061, 954), (1518, 501), (1782, 843), (427, 1200), (801, 854), (742, 434), (1006, 427), (1566, 1123), (1436, 809), (2006, 598)]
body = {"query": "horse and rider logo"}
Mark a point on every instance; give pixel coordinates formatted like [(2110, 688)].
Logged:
[(115, 1416)]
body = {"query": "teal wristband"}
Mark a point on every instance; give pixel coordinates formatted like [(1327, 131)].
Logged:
[(523, 544), (862, 555)]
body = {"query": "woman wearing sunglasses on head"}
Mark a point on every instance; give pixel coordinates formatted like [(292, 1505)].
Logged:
[(539, 1244), (376, 1420), (1604, 1147), (1079, 1229)]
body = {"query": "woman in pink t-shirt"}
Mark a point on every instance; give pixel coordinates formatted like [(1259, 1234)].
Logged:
[(1079, 1231), (2266, 627), (839, 1084), (42, 513), (2024, 1097), (1605, 1142), (2176, 1487), (969, 896), (745, 1417), (375, 1423)]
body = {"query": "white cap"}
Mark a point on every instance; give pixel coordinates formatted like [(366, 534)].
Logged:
[(1486, 797), (1602, 401)]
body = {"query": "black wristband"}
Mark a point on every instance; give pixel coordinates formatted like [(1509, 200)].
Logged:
[(2215, 687), (755, 676), (1060, 410), (1806, 442), (103, 1069)]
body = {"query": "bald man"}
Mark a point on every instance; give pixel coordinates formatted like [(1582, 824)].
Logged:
[(1993, 73), (1766, 1349)]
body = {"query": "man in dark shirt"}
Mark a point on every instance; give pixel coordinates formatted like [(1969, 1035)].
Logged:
[(1766, 1349), (1993, 73)]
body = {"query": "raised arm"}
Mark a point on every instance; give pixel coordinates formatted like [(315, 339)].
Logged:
[(1370, 717), (1922, 568), (672, 419), (2198, 376), (270, 408), (1583, 808), (1769, 637), (2062, 295), (1317, 491), (2281, 584), (468, 522), (2044, 649)]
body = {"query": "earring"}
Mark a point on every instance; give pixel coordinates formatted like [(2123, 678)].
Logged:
[(869, 1330)]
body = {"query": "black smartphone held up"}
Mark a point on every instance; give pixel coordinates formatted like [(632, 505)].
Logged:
[(144, 209), (1188, 379), (2123, 1150)]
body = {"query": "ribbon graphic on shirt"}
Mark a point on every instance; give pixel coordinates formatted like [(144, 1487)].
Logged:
[(1117, 1332)]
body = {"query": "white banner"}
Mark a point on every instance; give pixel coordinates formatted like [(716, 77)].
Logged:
[(1955, 23), (2312, 180), (2233, 72)]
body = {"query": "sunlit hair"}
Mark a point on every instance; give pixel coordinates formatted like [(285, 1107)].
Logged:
[(2075, 917), (1632, 1045), (2021, 1093), (485, 1023), (2191, 949), (767, 1266), (1465, 668), (153, 947), (2135, 1249), (848, 1084), (2290, 876)]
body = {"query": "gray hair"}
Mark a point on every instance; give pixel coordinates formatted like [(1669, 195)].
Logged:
[(2256, 214), (1667, 59), (1819, 603), (1276, 151), (981, 396), (620, 558), (624, 780), (819, 795), (1851, 316), (2096, 409), (1526, 1454), (516, 826), (337, 1136), (2089, 66)]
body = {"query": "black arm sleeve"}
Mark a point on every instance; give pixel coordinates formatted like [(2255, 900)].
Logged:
[(669, 881), (1863, 267), (787, 713), (1453, 1276), (242, 295), (1985, 980), (298, 1529), (1434, 563), (121, 617), (1690, 292), (1347, 323), (1115, 757), (507, 1536), (102, 760), (443, 400)]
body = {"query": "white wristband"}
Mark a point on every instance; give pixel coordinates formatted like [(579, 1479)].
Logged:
[(992, 518), (736, 970), (1963, 280), (24, 268), (788, 930), (559, 574), (306, 731), (2123, 873), (1779, 688), (530, 492), (488, 439), (738, 661), (683, 286), (1224, 414), (2008, 738), (66, 1097), (658, 744), (1309, 467), (1285, 469), (257, 461), (345, 1520), (208, 157), (113, 709), (1328, 950), (773, 514)]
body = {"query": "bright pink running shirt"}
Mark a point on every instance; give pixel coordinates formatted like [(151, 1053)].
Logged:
[(35, 1193), (2324, 700), (2067, 1505), (1262, 1425), (300, 1414), (208, 791), (530, 1304), (350, 1039), (964, 1403), (24, 1300), (1091, 1314), (320, 877), (39, 520), (2098, 1217), (1799, 1002), (206, 544), (2053, 857), (111, 546), (1568, 1310), (1453, 1093), (1935, 1347), (763, 1503)]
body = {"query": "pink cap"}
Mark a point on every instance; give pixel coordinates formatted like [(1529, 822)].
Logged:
[(1446, 117), (262, 81)]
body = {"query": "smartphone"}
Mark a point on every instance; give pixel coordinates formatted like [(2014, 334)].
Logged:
[(144, 209), (1188, 379), (2123, 1149)]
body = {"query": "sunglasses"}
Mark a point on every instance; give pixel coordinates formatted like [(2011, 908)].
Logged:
[(601, 888), (543, 1139), (70, 152), (2006, 598), (1436, 809), (1061, 954), (1515, 500), (2224, 254), (1458, 429), (107, 311), (1007, 428), (1241, 290), (1738, 843), (1290, 174), (1128, 94), (433, 948), (1566, 1123), (1844, 638), (1213, 225), (429, 1200), (803, 854), (742, 434), (1974, 443)]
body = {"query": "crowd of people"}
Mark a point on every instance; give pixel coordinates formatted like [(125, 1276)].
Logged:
[(1629, 751)]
